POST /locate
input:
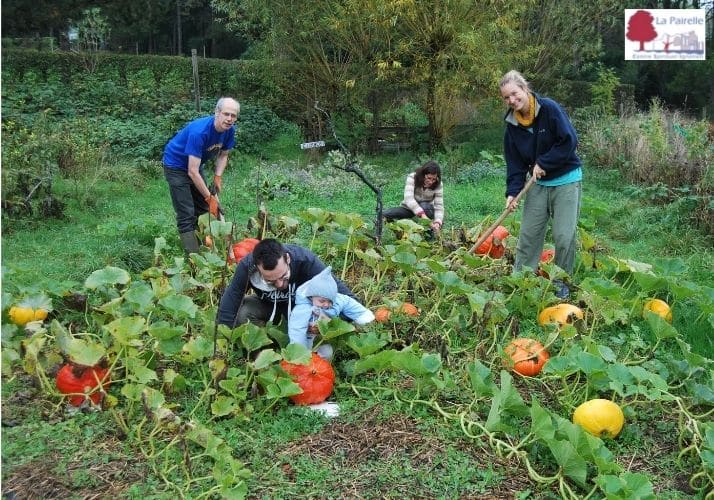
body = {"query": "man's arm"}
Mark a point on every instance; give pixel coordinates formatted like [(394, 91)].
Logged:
[(233, 296), (194, 163), (221, 162)]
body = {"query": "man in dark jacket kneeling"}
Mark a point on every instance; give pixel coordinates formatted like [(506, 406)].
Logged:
[(273, 271)]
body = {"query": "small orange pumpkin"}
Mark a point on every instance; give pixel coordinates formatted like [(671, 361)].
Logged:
[(493, 246), (409, 309), (208, 241), (562, 314), (547, 255), (241, 249), (316, 379), (527, 356), (382, 314)]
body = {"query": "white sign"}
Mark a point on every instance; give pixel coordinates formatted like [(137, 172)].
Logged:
[(665, 34), (311, 145)]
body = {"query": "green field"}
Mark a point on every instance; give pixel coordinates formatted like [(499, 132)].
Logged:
[(426, 409)]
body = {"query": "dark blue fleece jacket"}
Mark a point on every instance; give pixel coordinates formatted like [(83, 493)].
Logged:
[(550, 141), (303, 265)]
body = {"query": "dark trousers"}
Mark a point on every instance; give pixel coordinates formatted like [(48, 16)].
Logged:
[(404, 213), (187, 200)]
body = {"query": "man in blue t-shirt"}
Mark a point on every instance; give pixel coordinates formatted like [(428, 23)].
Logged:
[(184, 158)]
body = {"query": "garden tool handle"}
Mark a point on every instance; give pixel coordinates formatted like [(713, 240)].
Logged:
[(503, 215)]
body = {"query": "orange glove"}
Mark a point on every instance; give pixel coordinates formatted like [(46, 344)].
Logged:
[(213, 206), (217, 183)]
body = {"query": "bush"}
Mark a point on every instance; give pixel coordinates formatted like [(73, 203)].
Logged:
[(658, 149)]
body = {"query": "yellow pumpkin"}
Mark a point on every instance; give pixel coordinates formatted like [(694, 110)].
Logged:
[(600, 417), (40, 315), (561, 314), (660, 308), (21, 315)]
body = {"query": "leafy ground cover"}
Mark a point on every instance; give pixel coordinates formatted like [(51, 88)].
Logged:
[(428, 404)]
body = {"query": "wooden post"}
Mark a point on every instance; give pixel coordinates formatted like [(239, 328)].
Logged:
[(194, 64)]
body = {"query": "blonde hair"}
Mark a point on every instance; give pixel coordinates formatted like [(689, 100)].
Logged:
[(516, 78)]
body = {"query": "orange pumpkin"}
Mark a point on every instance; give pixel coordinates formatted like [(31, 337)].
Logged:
[(527, 356), (241, 249), (382, 314), (77, 380), (493, 245), (409, 309), (547, 255), (208, 241), (316, 379)]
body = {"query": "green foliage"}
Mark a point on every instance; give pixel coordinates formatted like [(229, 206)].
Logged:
[(667, 154), (258, 126), (603, 90)]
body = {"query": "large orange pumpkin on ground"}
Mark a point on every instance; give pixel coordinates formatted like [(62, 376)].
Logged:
[(527, 356), (74, 379), (316, 379), (241, 249), (493, 246)]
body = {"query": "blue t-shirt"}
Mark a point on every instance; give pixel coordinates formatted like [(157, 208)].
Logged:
[(200, 139), (567, 178)]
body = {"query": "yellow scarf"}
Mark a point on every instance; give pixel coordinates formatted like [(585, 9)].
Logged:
[(527, 120)]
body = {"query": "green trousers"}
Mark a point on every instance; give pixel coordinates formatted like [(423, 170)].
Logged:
[(562, 205)]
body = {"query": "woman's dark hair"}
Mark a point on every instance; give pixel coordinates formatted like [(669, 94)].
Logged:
[(430, 167), (268, 253)]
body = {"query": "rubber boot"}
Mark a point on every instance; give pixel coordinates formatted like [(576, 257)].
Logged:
[(189, 242)]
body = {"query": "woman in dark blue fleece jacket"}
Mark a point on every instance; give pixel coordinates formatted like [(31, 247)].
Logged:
[(541, 141), (273, 271)]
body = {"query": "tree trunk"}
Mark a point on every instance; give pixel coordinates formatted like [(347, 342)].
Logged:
[(431, 112), (179, 42)]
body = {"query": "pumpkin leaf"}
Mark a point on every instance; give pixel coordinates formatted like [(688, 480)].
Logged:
[(570, 461), (366, 343), (265, 358), (179, 306), (451, 282), (223, 405), (126, 331), (163, 330), (627, 485), (334, 328), (218, 367), (481, 379), (106, 277), (141, 295), (198, 348), (541, 422), (159, 245), (80, 351), (253, 337), (139, 372), (649, 282), (37, 301), (152, 398), (297, 354), (659, 326)]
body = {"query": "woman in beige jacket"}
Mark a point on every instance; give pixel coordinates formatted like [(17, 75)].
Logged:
[(423, 197)]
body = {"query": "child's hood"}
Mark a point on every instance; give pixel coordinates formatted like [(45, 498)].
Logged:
[(320, 285)]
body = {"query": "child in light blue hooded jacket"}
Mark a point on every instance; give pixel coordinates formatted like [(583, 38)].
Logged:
[(318, 299)]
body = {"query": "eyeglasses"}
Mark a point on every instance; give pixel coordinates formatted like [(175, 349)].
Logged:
[(285, 276)]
